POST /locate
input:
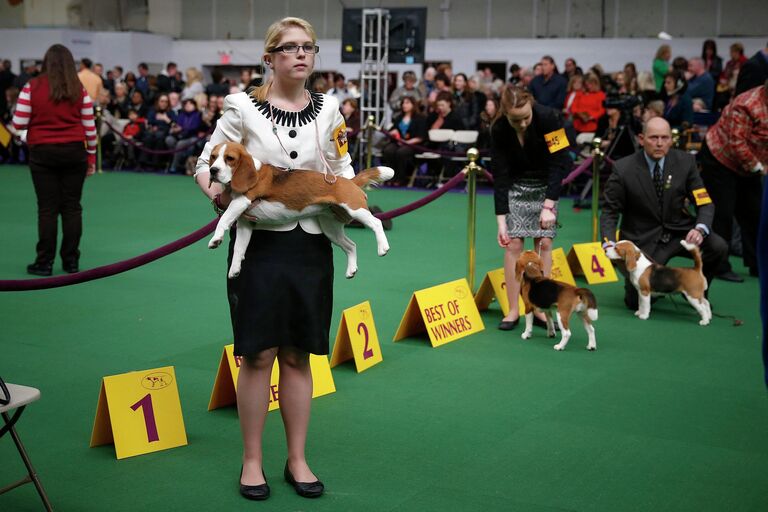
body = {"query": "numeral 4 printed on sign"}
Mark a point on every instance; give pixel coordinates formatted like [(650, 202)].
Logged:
[(149, 417), (367, 351), (596, 268)]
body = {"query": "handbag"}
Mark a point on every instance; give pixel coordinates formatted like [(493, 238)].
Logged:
[(5, 395)]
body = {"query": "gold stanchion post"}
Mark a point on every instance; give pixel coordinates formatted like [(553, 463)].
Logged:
[(675, 138), (597, 164), (471, 171), (97, 110), (369, 141)]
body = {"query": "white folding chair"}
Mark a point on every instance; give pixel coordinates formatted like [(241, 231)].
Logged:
[(20, 397), (439, 135)]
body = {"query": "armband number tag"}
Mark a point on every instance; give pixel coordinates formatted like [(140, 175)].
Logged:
[(556, 140), (701, 196), (340, 139)]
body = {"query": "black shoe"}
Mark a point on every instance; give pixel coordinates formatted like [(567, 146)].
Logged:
[(754, 272), (40, 269), (254, 492), (304, 489), (538, 322), (71, 267), (730, 276), (508, 325)]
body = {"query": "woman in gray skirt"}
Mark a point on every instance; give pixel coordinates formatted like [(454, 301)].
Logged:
[(529, 160)]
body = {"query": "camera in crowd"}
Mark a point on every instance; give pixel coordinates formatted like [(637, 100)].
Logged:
[(623, 102)]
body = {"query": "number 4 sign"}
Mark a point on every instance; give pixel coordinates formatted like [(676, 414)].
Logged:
[(139, 412), (590, 260), (357, 338)]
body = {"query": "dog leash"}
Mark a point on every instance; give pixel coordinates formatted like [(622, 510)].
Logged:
[(737, 322)]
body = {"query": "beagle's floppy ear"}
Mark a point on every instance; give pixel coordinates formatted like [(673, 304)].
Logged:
[(629, 254), (244, 175), (519, 269)]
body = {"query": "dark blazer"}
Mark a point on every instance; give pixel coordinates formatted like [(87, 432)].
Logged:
[(510, 161), (417, 128), (452, 121), (754, 72), (630, 193)]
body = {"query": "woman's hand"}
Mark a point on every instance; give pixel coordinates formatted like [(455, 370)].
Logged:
[(91, 170), (503, 236), (547, 218)]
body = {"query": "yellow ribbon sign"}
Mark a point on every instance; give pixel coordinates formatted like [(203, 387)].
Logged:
[(139, 412), (357, 338), (224, 391), (447, 312), (590, 260), (494, 286), (560, 269)]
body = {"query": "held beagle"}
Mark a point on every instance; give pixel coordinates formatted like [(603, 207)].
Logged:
[(542, 294), (649, 278), (274, 196)]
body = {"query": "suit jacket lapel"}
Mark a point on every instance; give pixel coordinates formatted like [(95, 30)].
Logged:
[(646, 183)]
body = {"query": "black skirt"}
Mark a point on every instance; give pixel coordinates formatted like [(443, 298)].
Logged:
[(284, 293)]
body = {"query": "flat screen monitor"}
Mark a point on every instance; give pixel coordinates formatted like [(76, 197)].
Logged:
[(407, 35)]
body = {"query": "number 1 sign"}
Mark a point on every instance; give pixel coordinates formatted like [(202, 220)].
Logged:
[(357, 338), (139, 412)]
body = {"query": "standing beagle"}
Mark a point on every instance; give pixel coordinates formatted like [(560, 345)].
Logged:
[(542, 294), (274, 196)]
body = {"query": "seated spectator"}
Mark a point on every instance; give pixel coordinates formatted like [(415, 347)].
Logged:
[(646, 87), (515, 74), (133, 131), (218, 86), (467, 104), (549, 88), (753, 73), (119, 104), (339, 89), (616, 133), (194, 84), (167, 81), (732, 67), (526, 77), (426, 86), (142, 81), (137, 103), (442, 117), (588, 107), (678, 108), (571, 69), (130, 83), (653, 109), (680, 64), (630, 78), (575, 88), (159, 121), (713, 64), (407, 89), (174, 102), (700, 84), (409, 127), (352, 121), (487, 116), (442, 84), (185, 131)]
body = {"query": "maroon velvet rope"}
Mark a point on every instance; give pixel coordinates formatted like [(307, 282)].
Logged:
[(17, 285), (155, 151)]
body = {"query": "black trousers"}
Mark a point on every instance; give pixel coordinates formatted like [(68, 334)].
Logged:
[(735, 196), (400, 158), (714, 252), (58, 173)]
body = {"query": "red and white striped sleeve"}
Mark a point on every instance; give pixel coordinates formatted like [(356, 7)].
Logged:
[(23, 109), (89, 123)]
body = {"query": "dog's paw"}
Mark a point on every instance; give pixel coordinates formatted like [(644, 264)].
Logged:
[(591, 348), (642, 316), (383, 249), (704, 322), (350, 274), (526, 335), (559, 347), (233, 274), (215, 242), (551, 334)]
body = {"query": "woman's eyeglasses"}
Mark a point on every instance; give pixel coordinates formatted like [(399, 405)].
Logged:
[(294, 48)]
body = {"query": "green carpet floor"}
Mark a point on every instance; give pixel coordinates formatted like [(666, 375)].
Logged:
[(665, 416)]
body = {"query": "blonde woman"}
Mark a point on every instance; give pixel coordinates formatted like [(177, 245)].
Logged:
[(661, 65), (287, 268), (194, 84)]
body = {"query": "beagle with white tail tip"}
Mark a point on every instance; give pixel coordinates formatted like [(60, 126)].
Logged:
[(649, 278), (275, 196), (542, 294)]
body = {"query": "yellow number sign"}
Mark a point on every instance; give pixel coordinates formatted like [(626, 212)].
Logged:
[(357, 338), (139, 412), (494, 286), (447, 312), (560, 269), (590, 259), (225, 386)]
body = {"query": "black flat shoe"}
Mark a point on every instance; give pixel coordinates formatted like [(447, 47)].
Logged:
[(508, 325), (254, 492), (40, 269), (304, 489), (70, 268), (730, 276)]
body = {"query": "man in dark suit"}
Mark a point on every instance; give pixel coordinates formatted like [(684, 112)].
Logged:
[(648, 189), (753, 73)]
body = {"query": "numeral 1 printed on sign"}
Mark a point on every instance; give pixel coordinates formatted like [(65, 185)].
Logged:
[(596, 268), (367, 351), (149, 417)]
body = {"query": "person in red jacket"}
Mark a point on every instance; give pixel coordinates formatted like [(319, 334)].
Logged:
[(57, 113), (587, 108)]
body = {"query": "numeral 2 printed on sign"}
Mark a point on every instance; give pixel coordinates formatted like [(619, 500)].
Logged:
[(367, 351), (149, 417)]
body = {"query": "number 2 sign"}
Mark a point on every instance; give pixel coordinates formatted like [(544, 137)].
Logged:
[(357, 338), (139, 412)]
